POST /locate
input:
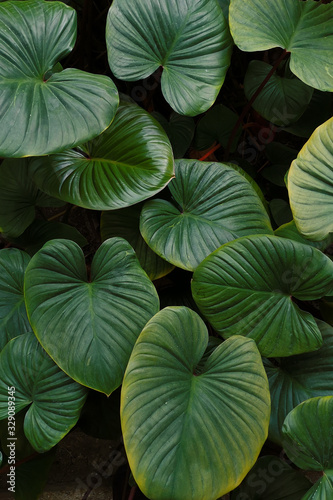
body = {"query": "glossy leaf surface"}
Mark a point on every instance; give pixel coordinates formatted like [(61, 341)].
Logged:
[(189, 40), (87, 326), (131, 161), (198, 435), (41, 110), (246, 288), (54, 400), (210, 208)]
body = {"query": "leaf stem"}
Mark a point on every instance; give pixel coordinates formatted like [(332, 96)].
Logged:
[(132, 493), (210, 152), (249, 104)]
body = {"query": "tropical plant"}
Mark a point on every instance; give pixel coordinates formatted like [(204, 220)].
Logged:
[(182, 305)]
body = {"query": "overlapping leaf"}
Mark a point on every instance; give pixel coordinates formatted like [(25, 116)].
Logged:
[(217, 125), (131, 161), (180, 130), (310, 184), (210, 208), (13, 316), (302, 28), (87, 326), (125, 224), (54, 400), (296, 378), (44, 110), (190, 40), (291, 232), (246, 288), (190, 435)]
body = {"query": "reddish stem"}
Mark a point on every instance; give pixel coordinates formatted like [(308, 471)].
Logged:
[(6, 468), (249, 104), (211, 151), (132, 493)]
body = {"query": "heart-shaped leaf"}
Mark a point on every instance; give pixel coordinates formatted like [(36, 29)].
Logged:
[(310, 184), (125, 224), (272, 479), (13, 316), (41, 231), (283, 100), (197, 435), (89, 327), (18, 197), (246, 288), (190, 40), (210, 207), (131, 161), (217, 125), (308, 441), (180, 130), (54, 400), (294, 379), (302, 28), (44, 110)]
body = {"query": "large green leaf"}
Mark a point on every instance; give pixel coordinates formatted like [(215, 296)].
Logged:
[(272, 479), (18, 197), (188, 435), (308, 441), (54, 400), (89, 326), (302, 28), (125, 224), (246, 288), (283, 100), (131, 161), (211, 207), (294, 379), (44, 110), (190, 40), (13, 316), (310, 184)]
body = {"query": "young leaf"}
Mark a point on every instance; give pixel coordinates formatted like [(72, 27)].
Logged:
[(19, 196), (54, 400), (246, 288), (189, 40), (210, 208), (131, 161), (310, 184), (283, 100), (125, 224), (302, 28), (13, 316), (89, 327), (297, 378), (41, 110), (197, 435)]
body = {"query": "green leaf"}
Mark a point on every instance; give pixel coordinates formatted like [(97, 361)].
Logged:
[(190, 40), (283, 100), (272, 479), (318, 112), (290, 231), (18, 197), (246, 288), (281, 212), (197, 435), (280, 157), (310, 185), (89, 327), (210, 208), (41, 231), (125, 224), (322, 489), (13, 316), (31, 476), (54, 400), (180, 130), (131, 161), (307, 434), (42, 111), (217, 125), (296, 378), (302, 28)]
